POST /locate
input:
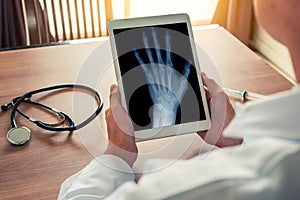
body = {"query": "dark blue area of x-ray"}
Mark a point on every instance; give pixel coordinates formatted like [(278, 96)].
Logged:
[(179, 27), (137, 97), (139, 106)]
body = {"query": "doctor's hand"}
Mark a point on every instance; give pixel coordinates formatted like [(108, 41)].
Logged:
[(120, 130), (221, 112)]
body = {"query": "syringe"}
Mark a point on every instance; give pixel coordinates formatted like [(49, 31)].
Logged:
[(245, 95)]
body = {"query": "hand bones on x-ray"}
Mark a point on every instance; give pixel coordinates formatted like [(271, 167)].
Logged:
[(166, 86)]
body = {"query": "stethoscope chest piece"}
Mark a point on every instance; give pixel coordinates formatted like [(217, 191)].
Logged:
[(18, 135)]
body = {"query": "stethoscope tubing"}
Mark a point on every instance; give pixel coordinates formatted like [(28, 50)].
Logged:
[(61, 114), (43, 125)]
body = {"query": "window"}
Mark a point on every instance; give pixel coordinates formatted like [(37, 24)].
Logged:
[(200, 11), (76, 19), (73, 19)]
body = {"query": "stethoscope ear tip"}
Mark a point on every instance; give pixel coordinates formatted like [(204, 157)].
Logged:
[(18, 135)]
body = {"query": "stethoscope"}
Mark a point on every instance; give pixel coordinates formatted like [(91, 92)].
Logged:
[(19, 135)]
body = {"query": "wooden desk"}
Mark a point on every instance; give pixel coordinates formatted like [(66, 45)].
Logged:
[(36, 170)]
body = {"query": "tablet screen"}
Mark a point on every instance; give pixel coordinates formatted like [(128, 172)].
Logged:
[(159, 77)]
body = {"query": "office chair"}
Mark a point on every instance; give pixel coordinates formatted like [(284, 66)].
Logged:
[(52, 21)]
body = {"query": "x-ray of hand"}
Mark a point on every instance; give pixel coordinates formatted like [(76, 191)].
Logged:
[(167, 86)]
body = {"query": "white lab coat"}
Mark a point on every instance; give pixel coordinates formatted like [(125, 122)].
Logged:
[(263, 169)]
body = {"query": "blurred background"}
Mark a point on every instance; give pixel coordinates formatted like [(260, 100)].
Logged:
[(36, 23)]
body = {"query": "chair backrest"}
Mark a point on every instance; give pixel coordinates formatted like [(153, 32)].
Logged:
[(60, 20)]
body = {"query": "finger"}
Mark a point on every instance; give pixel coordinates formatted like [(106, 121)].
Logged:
[(182, 90), (168, 48), (150, 74), (187, 70), (157, 47), (137, 56), (211, 84), (148, 50), (115, 97), (141, 62), (207, 93), (153, 67), (117, 116), (147, 72)]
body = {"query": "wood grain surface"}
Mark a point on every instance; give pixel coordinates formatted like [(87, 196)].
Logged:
[(37, 169)]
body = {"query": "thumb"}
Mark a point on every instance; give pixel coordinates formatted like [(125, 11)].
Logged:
[(211, 84), (115, 96)]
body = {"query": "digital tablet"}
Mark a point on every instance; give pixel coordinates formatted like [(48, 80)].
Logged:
[(159, 76)]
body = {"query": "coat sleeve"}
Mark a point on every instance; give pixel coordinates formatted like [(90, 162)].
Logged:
[(266, 169), (98, 179)]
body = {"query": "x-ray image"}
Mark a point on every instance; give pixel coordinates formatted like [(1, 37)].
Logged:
[(158, 75), (166, 86)]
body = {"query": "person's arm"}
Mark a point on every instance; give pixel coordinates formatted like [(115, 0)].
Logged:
[(107, 172), (221, 112), (97, 180)]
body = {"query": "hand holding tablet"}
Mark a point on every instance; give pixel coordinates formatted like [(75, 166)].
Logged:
[(159, 75)]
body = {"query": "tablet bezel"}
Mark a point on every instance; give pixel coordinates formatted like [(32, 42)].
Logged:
[(177, 129)]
